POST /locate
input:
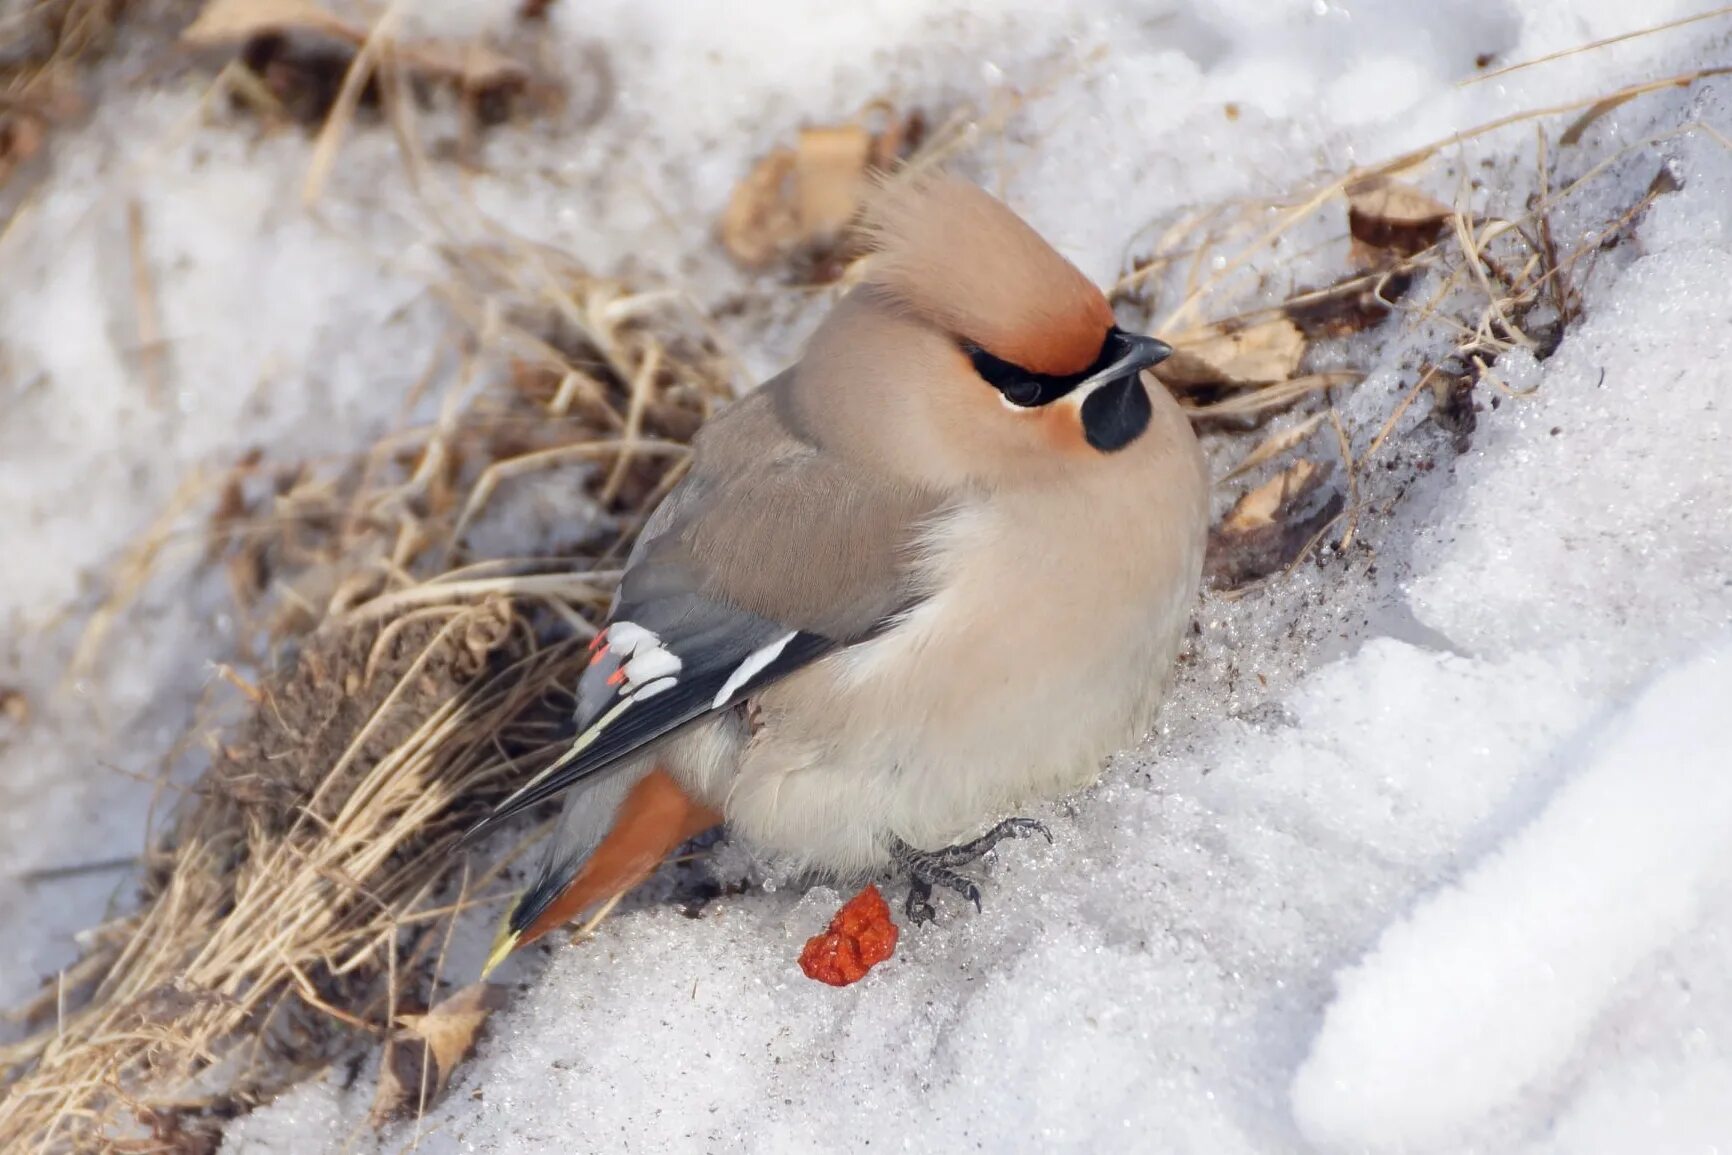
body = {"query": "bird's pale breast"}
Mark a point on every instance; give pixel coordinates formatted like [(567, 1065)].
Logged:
[(1046, 645)]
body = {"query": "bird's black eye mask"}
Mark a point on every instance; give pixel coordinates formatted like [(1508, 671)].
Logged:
[(1114, 414), (1030, 390)]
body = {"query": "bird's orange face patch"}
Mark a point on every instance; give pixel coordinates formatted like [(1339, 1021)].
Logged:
[(1061, 425)]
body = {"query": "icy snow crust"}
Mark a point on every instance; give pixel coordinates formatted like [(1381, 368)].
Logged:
[(1433, 848)]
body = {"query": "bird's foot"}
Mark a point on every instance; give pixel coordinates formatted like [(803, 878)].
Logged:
[(966, 852), (929, 868)]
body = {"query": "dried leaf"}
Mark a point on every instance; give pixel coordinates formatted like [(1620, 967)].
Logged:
[(451, 1027), (1259, 506), (443, 1036), (1257, 354), (402, 1070), (1390, 219), (1276, 444), (760, 218), (228, 22), (829, 167), (258, 26), (1268, 526), (798, 201)]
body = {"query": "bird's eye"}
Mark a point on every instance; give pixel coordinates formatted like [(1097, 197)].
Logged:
[(1014, 383)]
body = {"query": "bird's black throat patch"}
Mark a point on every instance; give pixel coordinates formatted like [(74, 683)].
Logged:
[(1116, 414)]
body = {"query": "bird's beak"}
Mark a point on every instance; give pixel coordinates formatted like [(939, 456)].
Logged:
[(1136, 353)]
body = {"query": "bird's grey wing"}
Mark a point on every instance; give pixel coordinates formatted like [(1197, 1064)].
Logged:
[(765, 563)]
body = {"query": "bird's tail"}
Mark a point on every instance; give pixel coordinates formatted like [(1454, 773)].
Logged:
[(653, 818)]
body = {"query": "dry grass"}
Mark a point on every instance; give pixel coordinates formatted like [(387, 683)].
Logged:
[(296, 899), (294, 889), (46, 46), (47, 36), (301, 893)]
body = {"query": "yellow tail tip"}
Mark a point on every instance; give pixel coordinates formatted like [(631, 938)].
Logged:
[(503, 944)]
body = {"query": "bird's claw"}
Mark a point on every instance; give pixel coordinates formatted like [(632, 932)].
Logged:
[(929, 868), (918, 907)]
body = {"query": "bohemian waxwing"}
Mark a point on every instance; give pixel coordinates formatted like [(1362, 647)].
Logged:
[(937, 569)]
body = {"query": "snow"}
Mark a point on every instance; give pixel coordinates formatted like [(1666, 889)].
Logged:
[(1491, 983), (277, 330), (1429, 852)]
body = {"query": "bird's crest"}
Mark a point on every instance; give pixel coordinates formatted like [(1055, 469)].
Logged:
[(951, 253)]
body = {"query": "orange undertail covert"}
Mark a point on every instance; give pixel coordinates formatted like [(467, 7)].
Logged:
[(655, 818)]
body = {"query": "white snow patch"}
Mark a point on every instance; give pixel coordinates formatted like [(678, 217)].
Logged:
[(1491, 984)]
